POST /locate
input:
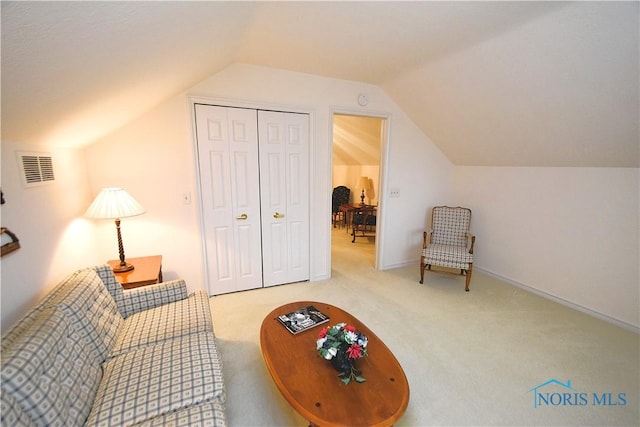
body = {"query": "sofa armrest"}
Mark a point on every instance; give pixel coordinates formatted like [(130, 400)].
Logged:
[(147, 297)]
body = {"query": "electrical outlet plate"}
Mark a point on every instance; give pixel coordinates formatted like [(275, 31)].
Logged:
[(394, 193)]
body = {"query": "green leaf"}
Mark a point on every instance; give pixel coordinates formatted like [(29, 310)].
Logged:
[(346, 380), (360, 379)]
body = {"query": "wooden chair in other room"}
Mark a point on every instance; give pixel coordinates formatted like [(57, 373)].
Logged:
[(339, 197)]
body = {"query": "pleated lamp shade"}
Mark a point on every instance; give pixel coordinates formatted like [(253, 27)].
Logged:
[(363, 183), (114, 203)]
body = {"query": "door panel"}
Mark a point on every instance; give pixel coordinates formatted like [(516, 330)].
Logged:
[(254, 176), (284, 181), (298, 196), (228, 157), (221, 242)]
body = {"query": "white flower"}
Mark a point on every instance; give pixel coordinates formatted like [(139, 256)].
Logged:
[(320, 343), (330, 353), (350, 337)]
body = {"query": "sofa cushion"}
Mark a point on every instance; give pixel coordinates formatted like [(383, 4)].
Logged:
[(11, 413), (448, 256), (51, 372), (92, 311), (110, 282), (155, 380), (18, 329), (185, 317), (209, 414)]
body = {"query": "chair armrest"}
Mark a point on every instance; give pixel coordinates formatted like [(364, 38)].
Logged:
[(471, 238), (426, 238), (147, 297)]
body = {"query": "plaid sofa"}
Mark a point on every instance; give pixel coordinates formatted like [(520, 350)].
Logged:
[(91, 353)]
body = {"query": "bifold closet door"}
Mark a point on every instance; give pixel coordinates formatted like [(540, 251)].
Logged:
[(227, 140), (283, 140)]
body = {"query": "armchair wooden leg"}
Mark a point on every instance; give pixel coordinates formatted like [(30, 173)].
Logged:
[(466, 286), (422, 270)]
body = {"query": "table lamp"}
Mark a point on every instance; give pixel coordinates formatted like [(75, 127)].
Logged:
[(115, 203), (363, 183)]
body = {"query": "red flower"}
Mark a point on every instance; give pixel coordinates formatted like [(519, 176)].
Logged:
[(354, 351), (350, 328), (323, 332)]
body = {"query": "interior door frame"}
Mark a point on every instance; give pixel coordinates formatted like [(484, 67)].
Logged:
[(382, 178), (192, 100)]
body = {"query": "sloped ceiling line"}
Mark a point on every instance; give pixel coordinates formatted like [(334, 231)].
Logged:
[(490, 83)]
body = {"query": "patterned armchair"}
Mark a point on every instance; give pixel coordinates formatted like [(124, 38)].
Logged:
[(448, 243), (339, 197)]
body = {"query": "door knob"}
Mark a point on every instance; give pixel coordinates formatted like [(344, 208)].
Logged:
[(242, 217), (277, 215)]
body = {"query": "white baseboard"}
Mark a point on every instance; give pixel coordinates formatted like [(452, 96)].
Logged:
[(401, 264), (591, 312)]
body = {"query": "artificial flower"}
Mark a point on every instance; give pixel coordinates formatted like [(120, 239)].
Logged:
[(345, 344), (354, 351)]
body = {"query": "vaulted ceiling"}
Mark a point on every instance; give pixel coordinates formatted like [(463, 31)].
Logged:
[(356, 140), (490, 83)]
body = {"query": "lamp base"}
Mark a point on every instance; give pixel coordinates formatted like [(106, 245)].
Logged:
[(123, 268)]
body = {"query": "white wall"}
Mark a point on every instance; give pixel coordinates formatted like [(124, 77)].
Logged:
[(559, 90), (152, 158), (55, 240), (571, 233)]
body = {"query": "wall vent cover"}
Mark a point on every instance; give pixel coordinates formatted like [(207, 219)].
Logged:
[(37, 168)]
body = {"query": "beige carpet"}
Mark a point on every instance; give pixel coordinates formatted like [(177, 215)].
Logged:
[(471, 358)]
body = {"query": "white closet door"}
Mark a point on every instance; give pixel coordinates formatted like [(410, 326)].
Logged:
[(228, 157), (284, 189)]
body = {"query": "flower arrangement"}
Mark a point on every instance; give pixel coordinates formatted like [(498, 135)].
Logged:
[(342, 344)]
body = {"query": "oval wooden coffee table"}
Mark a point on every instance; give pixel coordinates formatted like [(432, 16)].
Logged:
[(314, 389)]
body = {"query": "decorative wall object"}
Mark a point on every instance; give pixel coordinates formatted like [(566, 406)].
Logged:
[(14, 243)]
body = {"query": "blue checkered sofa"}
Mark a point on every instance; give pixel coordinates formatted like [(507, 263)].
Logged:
[(93, 354)]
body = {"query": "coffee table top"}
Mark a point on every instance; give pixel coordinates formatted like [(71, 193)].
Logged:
[(314, 389)]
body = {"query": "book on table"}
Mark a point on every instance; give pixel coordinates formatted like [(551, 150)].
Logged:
[(302, 319)]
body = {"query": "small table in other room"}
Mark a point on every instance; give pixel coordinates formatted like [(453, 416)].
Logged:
[(147, 271)]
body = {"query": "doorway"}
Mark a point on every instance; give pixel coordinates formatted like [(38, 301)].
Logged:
[(356, 160)]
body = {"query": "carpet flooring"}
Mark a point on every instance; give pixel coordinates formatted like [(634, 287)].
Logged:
[(496, 355)]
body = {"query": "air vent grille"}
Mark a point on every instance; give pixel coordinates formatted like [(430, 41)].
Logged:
[(37, 168)]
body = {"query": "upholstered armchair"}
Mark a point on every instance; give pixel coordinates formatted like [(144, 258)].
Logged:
[(339, 197), (448, 243)]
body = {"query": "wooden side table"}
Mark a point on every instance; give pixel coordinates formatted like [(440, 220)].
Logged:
[(147, 271)]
